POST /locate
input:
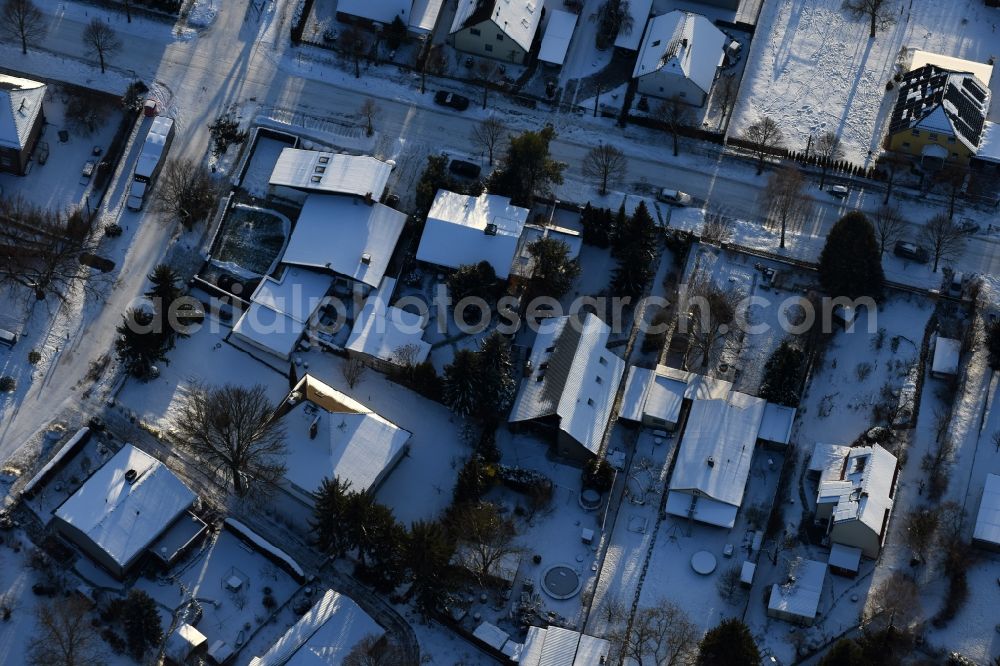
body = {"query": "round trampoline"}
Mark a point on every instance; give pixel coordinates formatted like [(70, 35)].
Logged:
[(703, 562), (560, 581), (590, 499)]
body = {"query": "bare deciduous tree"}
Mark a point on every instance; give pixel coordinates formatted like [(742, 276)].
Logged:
[(706, 314), (921, 526), (944, 238), (486, 70), (21, 20), (895, 603), (718, 227), (828, 151), (676, 115), (662, 634), (102, 39), (784, 198), (369, 111), (233, 429), (433, 62), (65, 636), (487, 538), (353, 370), (893, 164), (765, 135), (727, 87), (188, 191), (952, 180), (729, 582), (880, 14), (373, 651), (889, 226), (606, 165), (353, 44), (490, 134)]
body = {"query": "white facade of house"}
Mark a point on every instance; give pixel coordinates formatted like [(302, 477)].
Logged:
[(500, 29), (680, 56)]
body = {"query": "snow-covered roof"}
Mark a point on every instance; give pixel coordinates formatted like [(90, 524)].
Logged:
[(827, 459), (844, 557), (558, 33), (491, 634), (380, 11), (280, 310), (942, 101), (424, 15), (331, 173), (180, 644), (988, 519), (776, 426), (524, 262), (345, 235), (462, 229), (683, 43), (713, 462), (655, 393), (639, 11), (122, 517), (381, 330), (703, 387), (864, 487), (799, 595), (20, 104), (518, 19), (989, 143), (324, 636), (556, 646), (980, 70), (573, 376), (329, 435), (946, 354)]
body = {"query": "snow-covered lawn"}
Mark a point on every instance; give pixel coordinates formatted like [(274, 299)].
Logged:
[(813, 69)]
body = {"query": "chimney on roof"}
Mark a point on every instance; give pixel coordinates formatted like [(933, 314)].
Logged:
[(314, 428), (366, 259), (368, 198), (684, 42), (711, 461)]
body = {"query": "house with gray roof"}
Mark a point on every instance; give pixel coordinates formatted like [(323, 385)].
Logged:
[(679, 57), (500, 29)]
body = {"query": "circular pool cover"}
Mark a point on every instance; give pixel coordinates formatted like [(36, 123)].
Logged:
[(560, 581)]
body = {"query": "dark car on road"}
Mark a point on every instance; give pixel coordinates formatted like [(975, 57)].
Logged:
[(912, 252), (464, 169), (453, 100)]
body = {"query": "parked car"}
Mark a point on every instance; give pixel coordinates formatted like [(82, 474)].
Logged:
[(464, 169), (674, 197), (911, 251), (87, 172), (454, 100), (43, 152), (839, 191), (100, 263), (968, 226)]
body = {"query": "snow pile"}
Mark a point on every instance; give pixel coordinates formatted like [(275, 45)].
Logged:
[(202, 14), (813, 69)]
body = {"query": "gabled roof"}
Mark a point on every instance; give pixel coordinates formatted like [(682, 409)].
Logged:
[(323, 636), (20, 104), (330, 173), (555, 646), (864, 487), (684, 44), (639, 11), (462, 229), (558, 34), (573, 376), (332, 435), (988, 519), (518, 19), (800, 594), (122, 517), (345, 235), (939, 100), (380, 11), (380, 330)]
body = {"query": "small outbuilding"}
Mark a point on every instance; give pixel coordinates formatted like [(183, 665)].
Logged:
[(558, 34), (844, 560), (987, 532), (776, 426), (797, 598), (184, 642), (946, 355)]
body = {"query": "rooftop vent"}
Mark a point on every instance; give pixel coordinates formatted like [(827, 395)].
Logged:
[(490, 230), (366, 259), (131, 475), (711, 461)]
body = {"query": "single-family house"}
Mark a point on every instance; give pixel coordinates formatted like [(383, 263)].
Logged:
[(384, 336), (462, 229), (855, 497), (556, 646), (941, 110), (419, 16), (299, 172), (713, 462), (324, 636), (123, 508), (329, 434), (570, 383), (679, 57), (797, 598), (22, 117), (987, 531), (500, 29)]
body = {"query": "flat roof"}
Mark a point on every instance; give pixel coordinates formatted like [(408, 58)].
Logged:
[(988, 519), (424, 15), (381, 330), (845, 557), (800, 594), (330, 173), (558, 34), (634, 397), (323, 636), (776, 425), (122, 517), (639, 11), (346, 236), (946, 354), (827, 458), (380, 11)]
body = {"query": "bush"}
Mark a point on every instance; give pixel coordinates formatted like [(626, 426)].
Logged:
[(112, 230), (850, 264), (783, 375), (34, 357), (269, 602), (599, 475), (7, 384)]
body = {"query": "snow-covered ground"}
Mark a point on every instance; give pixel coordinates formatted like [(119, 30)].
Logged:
[(813, 69)]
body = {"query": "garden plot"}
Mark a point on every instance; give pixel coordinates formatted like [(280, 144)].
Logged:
[(813, 69), (858, 367), (257, 176), (251, 241), (235, 585)]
